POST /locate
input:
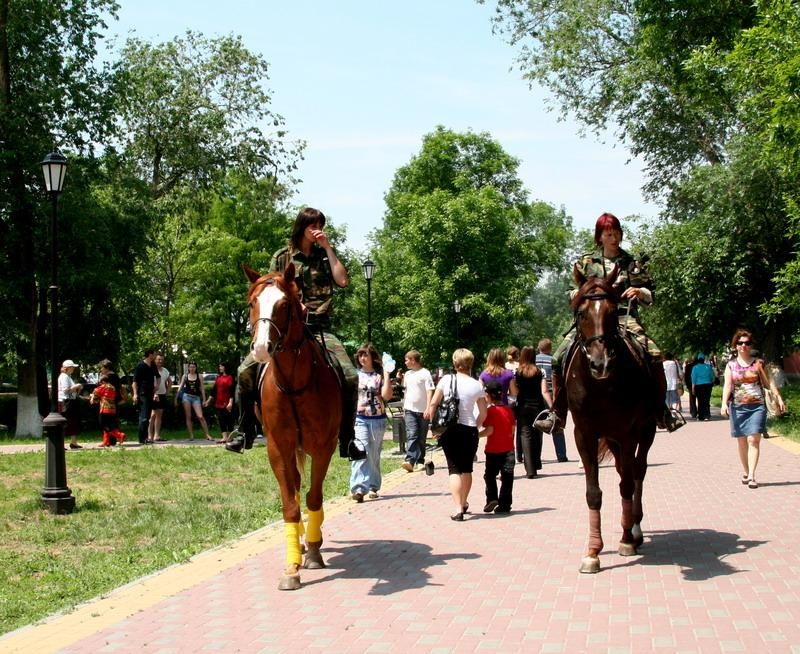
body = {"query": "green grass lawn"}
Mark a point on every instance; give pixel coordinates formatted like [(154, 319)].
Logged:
[(138, 510)]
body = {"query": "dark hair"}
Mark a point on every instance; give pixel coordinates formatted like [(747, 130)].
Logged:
[(369, 348), (604, 222), (308, 216), (148, 352)]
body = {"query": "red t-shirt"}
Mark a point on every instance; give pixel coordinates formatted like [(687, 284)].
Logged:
[(223, 391), (502, 438)]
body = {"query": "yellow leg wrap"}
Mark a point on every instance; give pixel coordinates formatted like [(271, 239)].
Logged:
[(314, 529), (292, 531)]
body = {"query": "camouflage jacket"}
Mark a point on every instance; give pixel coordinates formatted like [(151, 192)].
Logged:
[(314, 279), (630, 272)]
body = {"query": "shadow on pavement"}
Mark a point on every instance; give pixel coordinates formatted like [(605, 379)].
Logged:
[(700, 553)]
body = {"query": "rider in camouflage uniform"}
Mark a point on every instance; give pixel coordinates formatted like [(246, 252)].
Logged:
[(318, 271), (635, 285)]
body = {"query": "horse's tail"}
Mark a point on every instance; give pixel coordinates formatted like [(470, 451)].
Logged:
[(603, 450)]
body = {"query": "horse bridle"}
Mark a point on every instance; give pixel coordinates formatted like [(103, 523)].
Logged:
[(609, 341), (280, 346)]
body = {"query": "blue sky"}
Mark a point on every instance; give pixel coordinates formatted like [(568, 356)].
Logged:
[(363, 81)]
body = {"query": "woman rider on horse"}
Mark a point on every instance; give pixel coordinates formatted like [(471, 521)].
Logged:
[(318, 269), (635, 287)]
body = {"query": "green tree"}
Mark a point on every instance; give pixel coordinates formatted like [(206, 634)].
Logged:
[(705, 93), (200, 132), (50, 92), (459, 227)]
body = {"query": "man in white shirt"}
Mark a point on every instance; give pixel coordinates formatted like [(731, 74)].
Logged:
[(419, 387)]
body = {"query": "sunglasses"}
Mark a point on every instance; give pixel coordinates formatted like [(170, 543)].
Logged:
[(744, 343)]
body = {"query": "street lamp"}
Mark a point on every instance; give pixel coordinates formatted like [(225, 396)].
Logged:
[(457, 309), (56, 495), (369, 271)]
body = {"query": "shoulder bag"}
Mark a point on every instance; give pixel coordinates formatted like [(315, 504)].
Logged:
[(770, 398), (447, 412)]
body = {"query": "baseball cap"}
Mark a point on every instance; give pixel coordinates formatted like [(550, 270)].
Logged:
[(69, 363)]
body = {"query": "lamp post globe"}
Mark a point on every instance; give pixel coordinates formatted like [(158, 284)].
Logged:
[(56, 495), (369, 271)]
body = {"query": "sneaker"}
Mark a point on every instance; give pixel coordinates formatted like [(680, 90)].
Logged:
[(75, 446), (373, 495), (430, 468), (490, 506), (502, 509), (358, 497), (407, 466)]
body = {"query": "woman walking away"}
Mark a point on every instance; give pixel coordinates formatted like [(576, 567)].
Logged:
[(746, 379), (460, 441), (530, 386)]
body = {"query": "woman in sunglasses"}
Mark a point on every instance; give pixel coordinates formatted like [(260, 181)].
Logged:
[(743, 399)]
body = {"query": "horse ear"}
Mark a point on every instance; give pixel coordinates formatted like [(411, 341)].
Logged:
[(289, 273), (251, 274), (578, 276)]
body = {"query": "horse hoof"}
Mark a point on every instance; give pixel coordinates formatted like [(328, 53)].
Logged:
[(313, 561), (590, 565), (638, 536), (627, 549), (289, 582)]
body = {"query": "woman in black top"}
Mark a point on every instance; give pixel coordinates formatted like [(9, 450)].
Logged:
[(530, 387), (194, 396)]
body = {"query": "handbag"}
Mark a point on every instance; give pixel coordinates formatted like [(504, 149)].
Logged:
[(770, 399), (773, 406), (447, 412)]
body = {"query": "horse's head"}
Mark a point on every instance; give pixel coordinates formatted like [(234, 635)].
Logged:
[(276, 316), (596, 322)]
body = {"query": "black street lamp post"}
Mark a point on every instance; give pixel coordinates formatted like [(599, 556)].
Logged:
[(457, 310), (369, 271), (56, 495)]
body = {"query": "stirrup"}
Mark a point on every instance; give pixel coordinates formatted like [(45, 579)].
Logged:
[(236, 442), (674, 420), (546, 421)]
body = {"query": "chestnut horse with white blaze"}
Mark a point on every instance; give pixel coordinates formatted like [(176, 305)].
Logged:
[(610, 394), (300, 410)]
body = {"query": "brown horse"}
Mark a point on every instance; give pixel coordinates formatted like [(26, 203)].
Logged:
[(610, 395), (300, 410)]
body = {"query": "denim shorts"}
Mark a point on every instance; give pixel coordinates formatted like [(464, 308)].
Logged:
[(194, 400)]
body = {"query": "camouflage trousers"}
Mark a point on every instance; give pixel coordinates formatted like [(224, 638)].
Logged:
[(626, 322)]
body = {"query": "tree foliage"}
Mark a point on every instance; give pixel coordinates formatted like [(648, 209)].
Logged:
[(459, 227), (705, 93), (193, 107), (50, 94)]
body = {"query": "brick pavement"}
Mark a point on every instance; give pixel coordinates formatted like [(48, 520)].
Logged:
[(718, 571)]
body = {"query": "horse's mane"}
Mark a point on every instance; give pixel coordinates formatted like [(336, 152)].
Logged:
[(594, 285)]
